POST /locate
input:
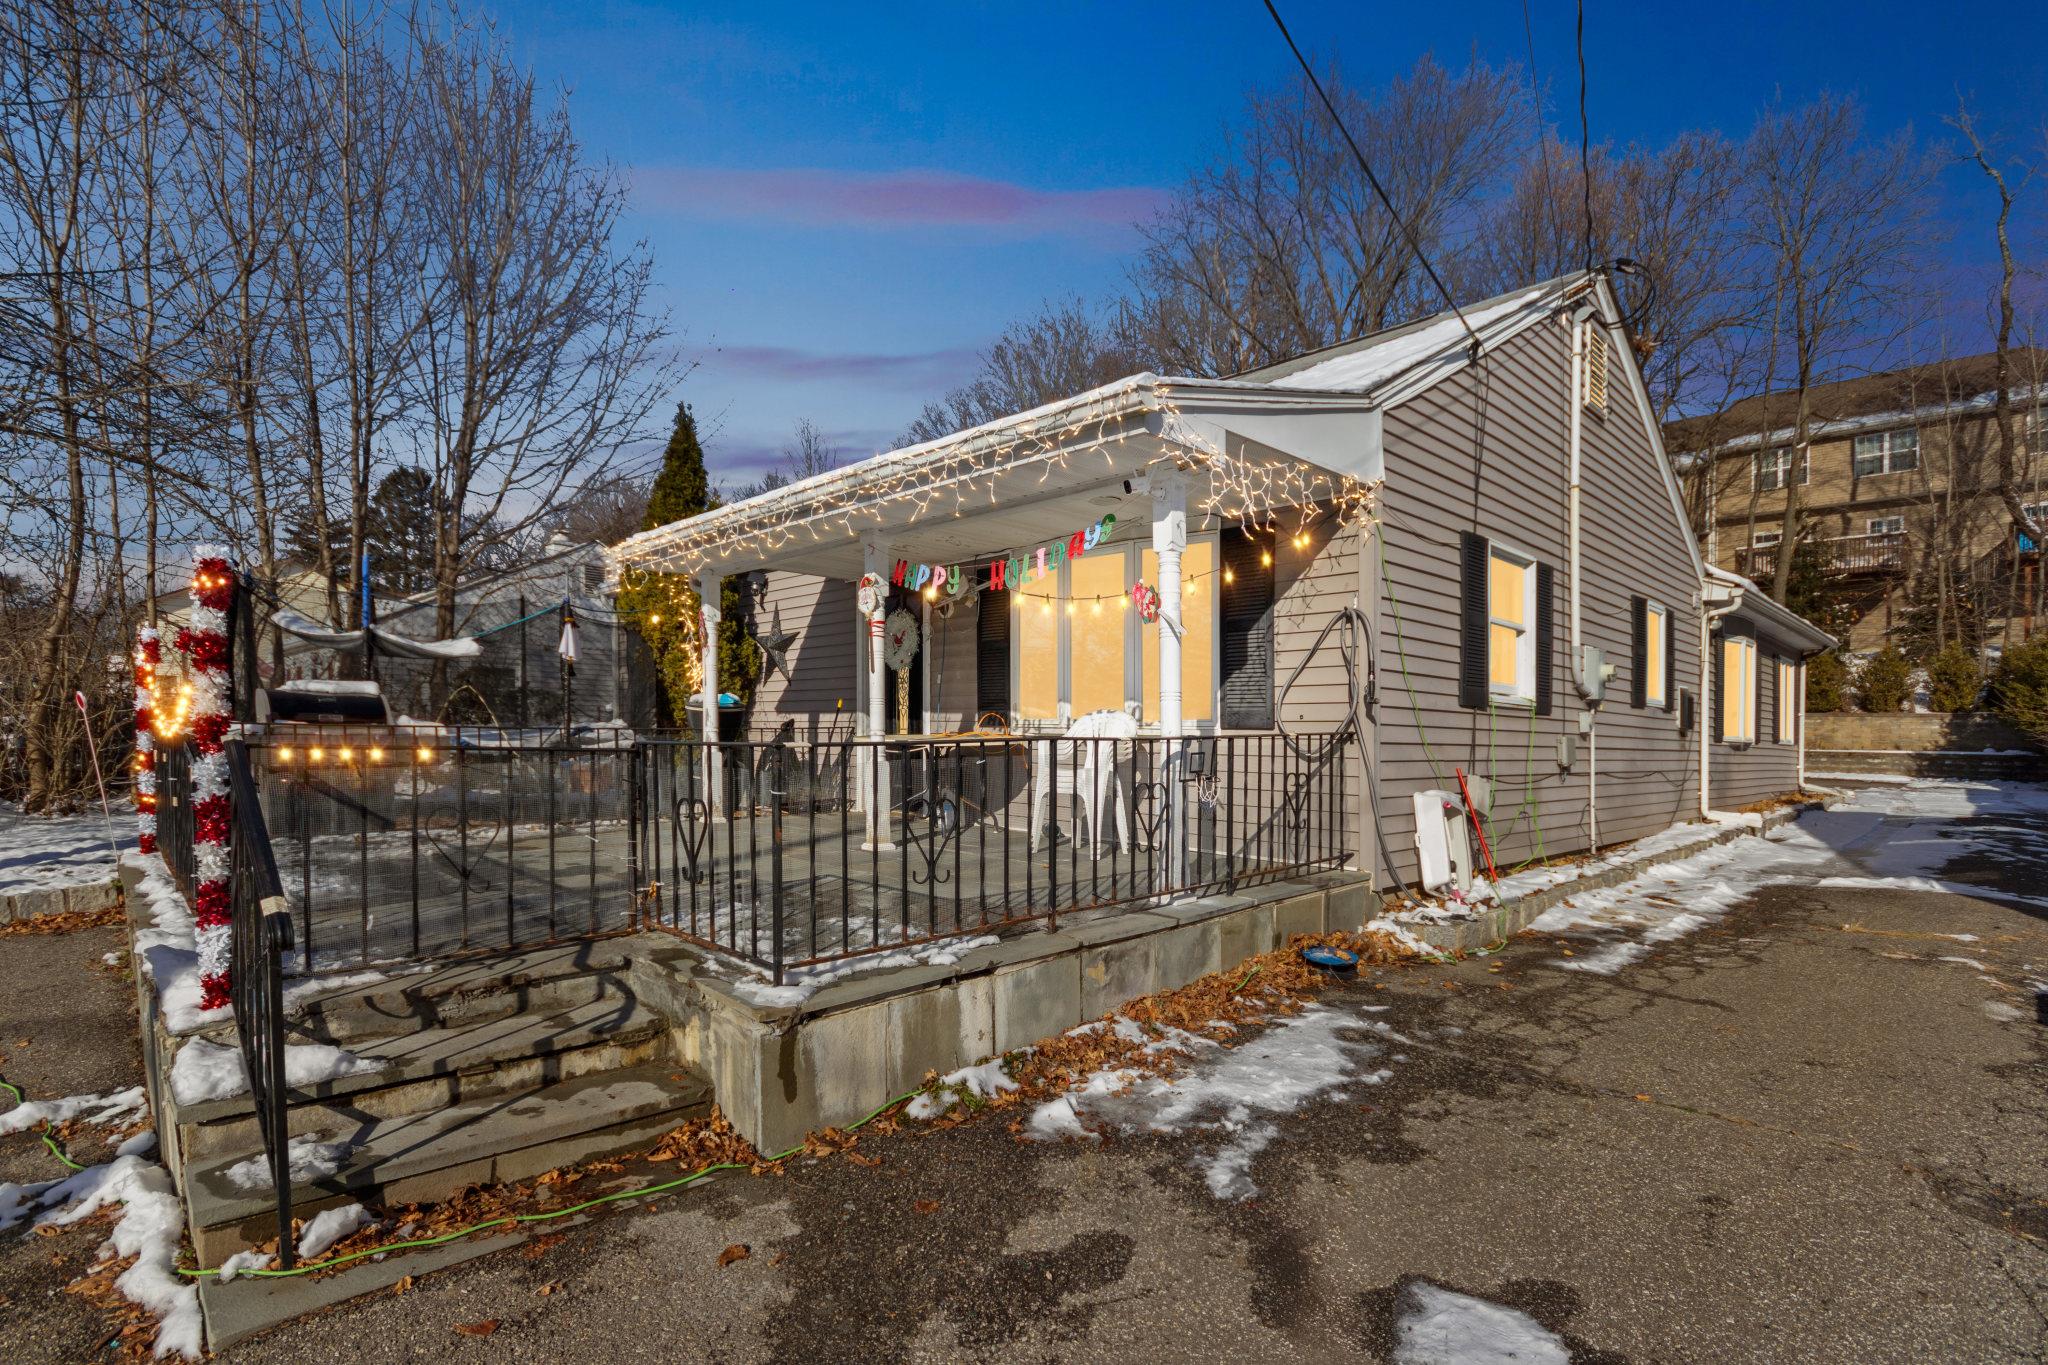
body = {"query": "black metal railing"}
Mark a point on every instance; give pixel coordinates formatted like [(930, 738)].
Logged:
[(791, 855), (399, 845), (405, 844), (174, 811), (262, 938)]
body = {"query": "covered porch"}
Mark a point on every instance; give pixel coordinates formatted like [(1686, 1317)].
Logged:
[(1033, 695)]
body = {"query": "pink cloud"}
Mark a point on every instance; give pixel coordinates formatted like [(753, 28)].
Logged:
[(917, 371), (897, 199)]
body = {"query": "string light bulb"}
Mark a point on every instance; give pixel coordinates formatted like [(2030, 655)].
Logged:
[(315, 754), (424, 754), (376, 755), (1265, 557)]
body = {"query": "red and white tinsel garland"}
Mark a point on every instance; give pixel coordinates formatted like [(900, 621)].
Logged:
[(204, 644), (149, 653)]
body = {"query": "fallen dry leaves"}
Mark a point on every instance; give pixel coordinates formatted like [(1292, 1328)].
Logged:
[(1217, 1007), (65, 922), (477, 1329)]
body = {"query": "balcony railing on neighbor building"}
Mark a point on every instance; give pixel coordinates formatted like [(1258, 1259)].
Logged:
[(1881, 552), (395, 846)]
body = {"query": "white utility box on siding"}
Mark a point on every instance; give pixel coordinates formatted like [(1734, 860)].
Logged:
[(1443, 840)]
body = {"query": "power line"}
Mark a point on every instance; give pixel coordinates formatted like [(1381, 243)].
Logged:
[(1370, 178), (1536, 98), (1585, 156)]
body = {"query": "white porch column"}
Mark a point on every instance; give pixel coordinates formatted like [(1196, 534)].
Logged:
[(710, 590), (1169, 539), (872, 774)]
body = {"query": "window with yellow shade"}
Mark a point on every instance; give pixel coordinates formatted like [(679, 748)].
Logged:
[(1738, 690), (1788, 701), (1656, 659), (1097, 616), (1035, 636), (1079, 646), (1511, 614)]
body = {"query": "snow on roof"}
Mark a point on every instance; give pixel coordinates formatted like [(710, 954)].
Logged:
[(1376, 361)]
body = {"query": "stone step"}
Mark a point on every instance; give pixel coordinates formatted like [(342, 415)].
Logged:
[(498, 986), (431, 1156), (439, 1066)]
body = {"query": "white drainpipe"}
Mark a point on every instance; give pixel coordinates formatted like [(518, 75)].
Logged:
[(1575, 406)]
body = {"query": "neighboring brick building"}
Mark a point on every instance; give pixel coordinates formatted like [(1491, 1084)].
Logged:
[(1898, 486)]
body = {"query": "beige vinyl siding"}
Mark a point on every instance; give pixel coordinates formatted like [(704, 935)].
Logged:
[(1745, 773), (1487, 451), (823, 662)]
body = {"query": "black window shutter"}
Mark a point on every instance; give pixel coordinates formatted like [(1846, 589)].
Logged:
[(1472, 670), (1247, 634), (1670, 663), (1545, 641), (992, 654), (1639, 658), (1720, 649)]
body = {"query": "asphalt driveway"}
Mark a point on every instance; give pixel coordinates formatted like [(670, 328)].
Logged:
[(1810, 1130)]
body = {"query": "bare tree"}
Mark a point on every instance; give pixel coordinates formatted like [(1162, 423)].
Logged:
[(2009, 472), (1837, 224), (1280, 245), (1670, 213), (1064, 350), (538, 358)]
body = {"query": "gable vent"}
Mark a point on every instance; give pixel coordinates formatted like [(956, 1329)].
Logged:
[(1596, 368)]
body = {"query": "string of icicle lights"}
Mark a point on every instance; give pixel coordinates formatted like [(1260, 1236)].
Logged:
[(955, 481), (679, 599)]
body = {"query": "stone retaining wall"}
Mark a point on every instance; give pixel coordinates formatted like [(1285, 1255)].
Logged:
[(59, 900)]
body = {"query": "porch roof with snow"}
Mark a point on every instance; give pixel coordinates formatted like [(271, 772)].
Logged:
[(1305, 431)]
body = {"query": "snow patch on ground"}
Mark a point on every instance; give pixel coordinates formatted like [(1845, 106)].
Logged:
[(983, 1081), (122, 1107), (1442, 1327), (330, 1226), (241, 1262), (150, 1228), (1230, 1092), (213, 1071), (46, 852), (1675, 899), (1899, 837)]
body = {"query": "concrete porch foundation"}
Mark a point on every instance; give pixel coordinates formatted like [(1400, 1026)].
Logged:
[(781, 1072)]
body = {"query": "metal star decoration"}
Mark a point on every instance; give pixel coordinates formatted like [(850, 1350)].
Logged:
[(773, 643)]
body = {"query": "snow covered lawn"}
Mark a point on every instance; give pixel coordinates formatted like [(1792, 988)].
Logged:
[(47, 852)]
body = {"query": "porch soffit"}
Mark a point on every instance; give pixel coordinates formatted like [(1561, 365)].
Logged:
[(1020, 497)]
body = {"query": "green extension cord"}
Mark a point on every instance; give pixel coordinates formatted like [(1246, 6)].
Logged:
[(44, 1134), (513, 1219)]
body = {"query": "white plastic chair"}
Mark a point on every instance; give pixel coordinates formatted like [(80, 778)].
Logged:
[(1102, 775)]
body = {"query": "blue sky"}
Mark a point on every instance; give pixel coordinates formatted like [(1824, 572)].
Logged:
[(845, 203)]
